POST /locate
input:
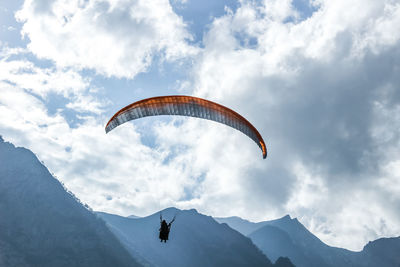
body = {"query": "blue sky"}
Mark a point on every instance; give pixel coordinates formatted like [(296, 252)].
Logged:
[(319, 79)]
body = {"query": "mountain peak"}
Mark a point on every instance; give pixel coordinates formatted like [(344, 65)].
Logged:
[(169, 209), (60, 231), (193, 211), (195, 240), (173, 210), (285, 219)]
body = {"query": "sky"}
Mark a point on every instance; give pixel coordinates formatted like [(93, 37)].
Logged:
[(319, 79)]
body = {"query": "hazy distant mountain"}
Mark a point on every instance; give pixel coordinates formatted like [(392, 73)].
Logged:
[(195, 240), (300, 245), (42, 225), (243, 226), (288, 237)]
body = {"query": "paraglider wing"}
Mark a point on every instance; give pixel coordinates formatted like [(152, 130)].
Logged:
[(187, 106)]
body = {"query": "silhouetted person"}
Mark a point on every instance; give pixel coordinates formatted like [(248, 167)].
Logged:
[(164, 229)]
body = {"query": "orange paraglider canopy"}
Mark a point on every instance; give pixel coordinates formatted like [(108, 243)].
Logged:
[(187, 106)]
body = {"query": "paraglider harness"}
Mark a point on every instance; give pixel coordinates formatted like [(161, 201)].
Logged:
[(165, 228)]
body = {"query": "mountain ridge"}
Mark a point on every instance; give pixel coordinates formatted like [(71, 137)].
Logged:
[(195, 240), (288, 237), (46, 226)]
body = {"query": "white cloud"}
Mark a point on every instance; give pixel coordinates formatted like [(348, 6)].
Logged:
[(22, 73), (115, 38), (87, 103), (278, 10), (309, 87), (41, 81), (24, 118), (7, 52)]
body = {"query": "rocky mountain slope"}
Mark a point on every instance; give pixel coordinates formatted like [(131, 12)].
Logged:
[(289, 238), (43, 225), (195, 240)]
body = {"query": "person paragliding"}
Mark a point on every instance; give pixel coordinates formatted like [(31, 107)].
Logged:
[(164, 229)]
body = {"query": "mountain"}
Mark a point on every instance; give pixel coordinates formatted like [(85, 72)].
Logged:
[(275, 243), (300, 245), (381, 252), (243, 226), (195, 240), (287, 237), (43, 225)]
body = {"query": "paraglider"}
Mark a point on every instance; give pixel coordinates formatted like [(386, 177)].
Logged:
[(165, 228), (186, 106)]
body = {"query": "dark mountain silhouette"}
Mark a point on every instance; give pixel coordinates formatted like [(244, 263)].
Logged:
[(42, 225), (289, 238), (195, 240)]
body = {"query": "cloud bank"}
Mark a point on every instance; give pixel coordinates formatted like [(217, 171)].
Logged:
[(115, 38)]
